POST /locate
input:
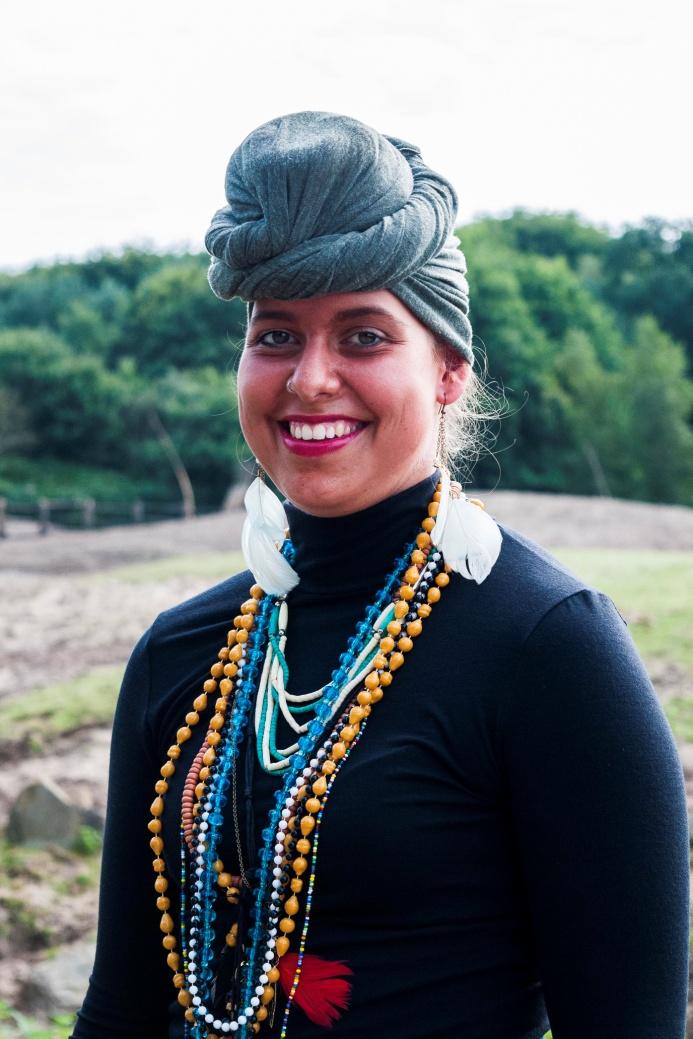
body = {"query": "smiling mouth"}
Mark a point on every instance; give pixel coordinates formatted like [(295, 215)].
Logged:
[(321, 430), (316, 435)]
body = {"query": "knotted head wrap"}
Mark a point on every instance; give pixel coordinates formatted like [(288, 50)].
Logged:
[(321, 203)]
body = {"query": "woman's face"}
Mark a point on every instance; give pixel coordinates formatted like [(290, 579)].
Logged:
[(339, 398)]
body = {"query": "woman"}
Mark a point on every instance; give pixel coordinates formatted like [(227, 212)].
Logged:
[(474, 827)]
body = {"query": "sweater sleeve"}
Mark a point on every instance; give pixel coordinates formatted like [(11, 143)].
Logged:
[(130, 986), (598, 814)]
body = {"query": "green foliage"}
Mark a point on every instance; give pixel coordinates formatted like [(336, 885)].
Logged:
[(589, 334), (16, 1025), (88, 841)]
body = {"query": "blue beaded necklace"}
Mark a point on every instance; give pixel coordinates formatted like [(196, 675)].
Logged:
[(198, 942)]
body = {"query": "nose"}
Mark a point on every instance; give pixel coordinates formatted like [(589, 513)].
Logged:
[(315, 374)]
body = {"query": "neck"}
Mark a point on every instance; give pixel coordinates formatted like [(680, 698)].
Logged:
[(353, 553)]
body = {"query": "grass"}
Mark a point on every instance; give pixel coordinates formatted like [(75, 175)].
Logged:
[(210, 565), (652, 591), (24, 479), (33, 718), (15, 1025)]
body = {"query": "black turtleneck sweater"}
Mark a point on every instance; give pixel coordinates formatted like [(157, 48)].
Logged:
[(505, 850)]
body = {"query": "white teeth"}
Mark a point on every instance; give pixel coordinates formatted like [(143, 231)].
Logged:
[(322, 430)]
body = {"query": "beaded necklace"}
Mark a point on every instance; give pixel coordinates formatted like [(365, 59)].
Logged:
[(290, 839)]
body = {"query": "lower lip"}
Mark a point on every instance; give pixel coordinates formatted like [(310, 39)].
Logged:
[(312, 448)]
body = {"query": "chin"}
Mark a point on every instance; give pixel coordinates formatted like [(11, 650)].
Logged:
[(323, 495)]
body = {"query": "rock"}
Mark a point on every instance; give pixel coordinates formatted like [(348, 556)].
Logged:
[(42, 814), (58, 985)]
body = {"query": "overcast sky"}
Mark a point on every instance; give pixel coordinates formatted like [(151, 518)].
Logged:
[(117, 120)]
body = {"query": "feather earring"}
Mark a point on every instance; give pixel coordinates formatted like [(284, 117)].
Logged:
[(467, 536), (263, 534)]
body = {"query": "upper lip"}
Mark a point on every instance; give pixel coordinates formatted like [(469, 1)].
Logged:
[(317, 419)]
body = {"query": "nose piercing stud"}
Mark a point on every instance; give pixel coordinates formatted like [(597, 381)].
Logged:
[(290, 385)]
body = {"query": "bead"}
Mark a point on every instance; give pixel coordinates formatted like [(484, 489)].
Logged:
[(166, 924), (291, 905), (433, 508), (417, 557), (328, 767), (268, 994), (173, 752), (158, 865), (210, 686), (394, 628), (249, 606), (296, 885), (226, 686), (217, 670), (387, 644), (169, 942), (184, 998), (406, 592), (424, 610), (339, 750), (273, 975), (163, 903), (154, 826), (282, 946), (303, 845), (307, 825), (428, 524), (423, 540), (401, 609), (261, 1012), (380, 660), (256, 591), (210, 756), (442, 580), (236, 653), (299, 865), (157, 806), (348, 733), (396, 660), (287, 925), (371, 681), (377, 695), (178, 980), (385, 678), (160, 885), (320, 785), (411, 576), (414, 628), (161, 786), (173, 960), (157, 845), (313, 805), (433, 594), (217, 722), (230, 669), (213, 738), (183, 734), (356, 714), (405, 644), (225, 880), (167, 769), (241, 637)]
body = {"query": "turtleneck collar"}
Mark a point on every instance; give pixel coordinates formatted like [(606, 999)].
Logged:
[(345, 554)]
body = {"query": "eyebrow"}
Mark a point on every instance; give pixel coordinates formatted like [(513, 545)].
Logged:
[(272, 314)]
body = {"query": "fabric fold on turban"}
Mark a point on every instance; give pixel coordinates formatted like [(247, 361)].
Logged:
[(320, 203)]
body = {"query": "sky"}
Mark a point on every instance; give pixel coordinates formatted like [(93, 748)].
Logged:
[(117, 120)]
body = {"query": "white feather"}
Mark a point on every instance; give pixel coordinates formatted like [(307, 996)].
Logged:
[(263, 533), (467, 536)]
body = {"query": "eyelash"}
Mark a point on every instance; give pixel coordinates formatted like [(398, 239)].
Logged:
[(280, 331)]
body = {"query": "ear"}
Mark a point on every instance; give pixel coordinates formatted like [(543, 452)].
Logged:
[(453, 378)]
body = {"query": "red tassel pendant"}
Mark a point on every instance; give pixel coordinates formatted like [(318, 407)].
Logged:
[(322, 992)]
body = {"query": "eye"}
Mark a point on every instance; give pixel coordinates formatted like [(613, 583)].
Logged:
[(365, 337), (274, 337)]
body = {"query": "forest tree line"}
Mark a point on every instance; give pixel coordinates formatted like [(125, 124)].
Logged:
[(587, 334)]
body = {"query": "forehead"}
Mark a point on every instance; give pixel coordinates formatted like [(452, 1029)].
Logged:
[(379, 303)]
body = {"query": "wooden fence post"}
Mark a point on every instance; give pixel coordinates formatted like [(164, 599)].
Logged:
[(3, 516), (138, 511), (44, 515), (88, 512)]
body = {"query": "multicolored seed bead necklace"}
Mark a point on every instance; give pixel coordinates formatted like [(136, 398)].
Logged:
[(290, 839)]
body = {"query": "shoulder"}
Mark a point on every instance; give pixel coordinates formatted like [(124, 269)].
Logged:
[(525, 585), (196, 621)]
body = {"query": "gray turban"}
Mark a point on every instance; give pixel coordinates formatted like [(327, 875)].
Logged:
[(320, 203)]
